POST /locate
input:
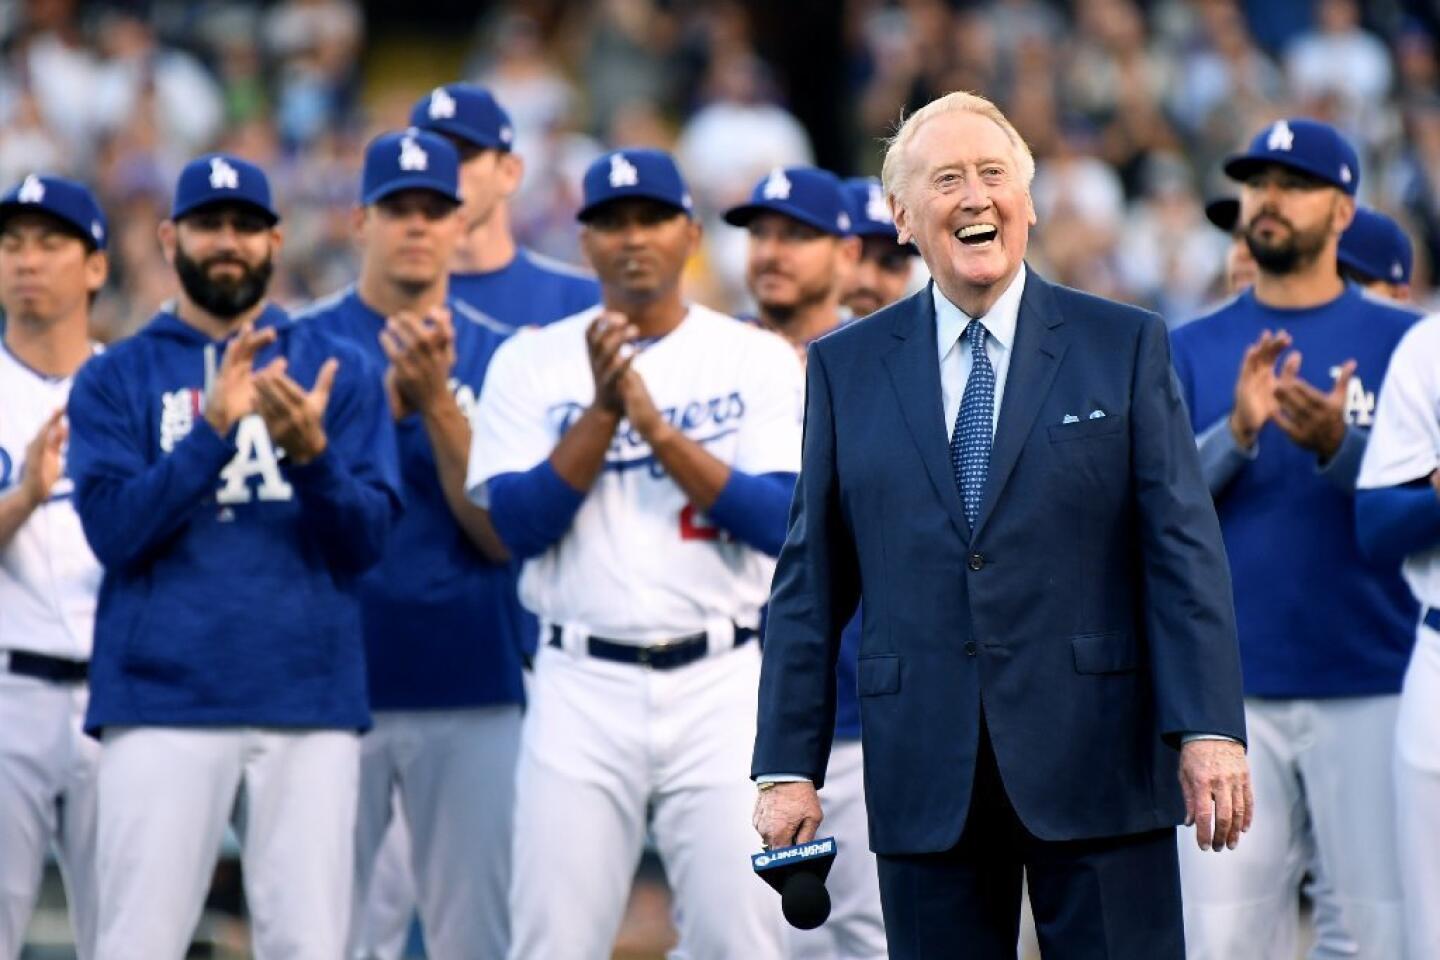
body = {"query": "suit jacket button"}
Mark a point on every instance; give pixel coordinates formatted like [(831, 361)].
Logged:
[(969, 648), (977, 562)]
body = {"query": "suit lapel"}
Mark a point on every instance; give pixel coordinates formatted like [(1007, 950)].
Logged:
[(915, 374), (1033, 362)]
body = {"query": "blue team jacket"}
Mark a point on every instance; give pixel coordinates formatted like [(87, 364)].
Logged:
[(442, 623), (230, 575)]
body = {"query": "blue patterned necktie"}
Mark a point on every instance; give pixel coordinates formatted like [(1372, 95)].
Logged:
[(973, 433)]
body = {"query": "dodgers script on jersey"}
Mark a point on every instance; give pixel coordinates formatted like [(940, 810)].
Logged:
[(640, 561), (1405, 441), (48, 576)]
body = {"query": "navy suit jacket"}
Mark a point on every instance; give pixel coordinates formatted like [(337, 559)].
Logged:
[(1089, 611)]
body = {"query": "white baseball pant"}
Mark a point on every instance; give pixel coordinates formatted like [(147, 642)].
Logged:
[(1321, 773), (380, 927), (47, 799), (166, 795), (455, 773), (1417, 789), (855, 929), (604, 743)]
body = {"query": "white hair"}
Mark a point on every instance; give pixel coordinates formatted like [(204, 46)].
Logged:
[(895, 173)]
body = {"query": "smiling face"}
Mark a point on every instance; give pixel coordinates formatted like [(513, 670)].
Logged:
[(965, 203)]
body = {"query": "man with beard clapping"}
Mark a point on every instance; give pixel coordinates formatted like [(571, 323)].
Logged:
[(235, 474)]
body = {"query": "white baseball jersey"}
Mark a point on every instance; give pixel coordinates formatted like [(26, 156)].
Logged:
[(1404, 442), (640, 562), (48, 576)]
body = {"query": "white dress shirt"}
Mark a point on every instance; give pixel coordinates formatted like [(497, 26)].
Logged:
[(954, 349)]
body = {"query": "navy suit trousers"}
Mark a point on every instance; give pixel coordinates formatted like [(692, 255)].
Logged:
[(1116, 898)]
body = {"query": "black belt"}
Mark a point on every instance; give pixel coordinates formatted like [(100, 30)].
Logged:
[(1432, 618), (660, 655), (45, 667)]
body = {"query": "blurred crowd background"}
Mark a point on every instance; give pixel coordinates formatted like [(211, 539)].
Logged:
[(1128, 105)]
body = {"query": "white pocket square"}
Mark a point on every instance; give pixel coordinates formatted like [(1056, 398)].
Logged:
[(1070, 418), (1096, 414)]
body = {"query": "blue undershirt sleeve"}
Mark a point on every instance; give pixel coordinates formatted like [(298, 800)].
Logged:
[(532, 510), (1393, 522), (754, 509), (1343, 469), (1221, 458)]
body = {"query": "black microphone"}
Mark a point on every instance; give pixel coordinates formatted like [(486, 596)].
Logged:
[(799, 873)]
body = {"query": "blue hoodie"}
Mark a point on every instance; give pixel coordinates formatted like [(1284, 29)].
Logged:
[(442, 623), (229, 590)]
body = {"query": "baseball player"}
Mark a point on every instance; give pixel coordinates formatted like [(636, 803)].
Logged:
[(235, 473), (1376, 254), (443, 661), (801, 255), (493, 273), (886, 265), (516, 288), (1324, 635), (640, 458), (52, 263), (1398, 520)]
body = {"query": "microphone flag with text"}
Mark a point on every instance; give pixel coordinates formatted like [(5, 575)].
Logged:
[(798, 873)]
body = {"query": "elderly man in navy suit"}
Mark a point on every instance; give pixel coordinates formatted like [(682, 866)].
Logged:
[(1048, 675)]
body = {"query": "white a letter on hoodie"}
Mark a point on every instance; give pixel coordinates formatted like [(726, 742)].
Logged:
[(255, 456)]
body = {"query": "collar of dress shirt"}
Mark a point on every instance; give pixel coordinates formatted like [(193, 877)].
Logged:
[(950, 320)]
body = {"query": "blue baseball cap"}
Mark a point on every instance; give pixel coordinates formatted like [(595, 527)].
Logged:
[(639, 173), (1224, 212), (1306, 145), (1375, 247), (222, 178), (63, 199), (410, 160), (869, 213), (813, 196), (466, 112)]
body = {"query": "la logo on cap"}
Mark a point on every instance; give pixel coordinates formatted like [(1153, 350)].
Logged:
[(777, 186), (32, 190), (442, 105), (1396, 270), (222, 175), (1345, 175), (622, 171), (875, 207), (843, 221), (1281, 137), (412, 155), (97, 231)]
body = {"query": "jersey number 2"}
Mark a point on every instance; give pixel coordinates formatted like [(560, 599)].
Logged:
[(694, 525)]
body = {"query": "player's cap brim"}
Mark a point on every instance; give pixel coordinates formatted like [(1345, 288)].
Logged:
[(429, 184), (186, 210), (1223, 212), (588, 211), (71, 226), (1246, 165), (466, 134), (742, 215)]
